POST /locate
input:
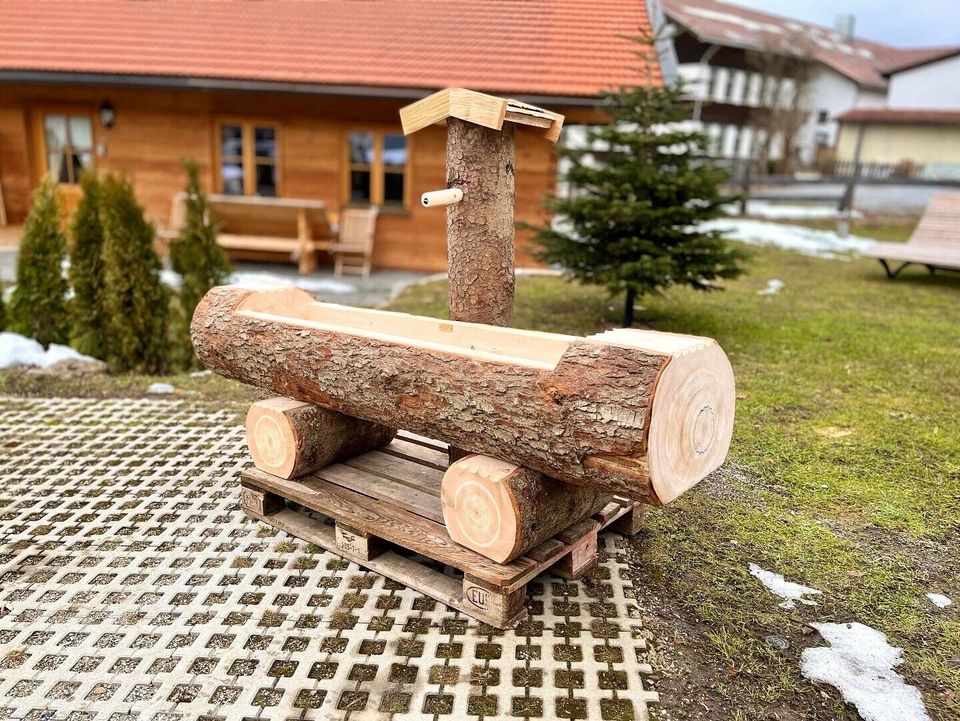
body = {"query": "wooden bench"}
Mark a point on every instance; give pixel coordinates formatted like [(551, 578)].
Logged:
[(935, 242), (254, 227)]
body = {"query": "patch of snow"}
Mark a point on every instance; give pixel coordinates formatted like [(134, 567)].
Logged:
[(171, 278), (808, 241), (160, 388), (859, 663), (777, 584), (260, 280), (17, 350), (774, 286), (939, 600), (265, 281), (201, 374), (766, 209)]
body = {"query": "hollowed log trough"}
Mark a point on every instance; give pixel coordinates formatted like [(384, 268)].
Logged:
[(634, 413)]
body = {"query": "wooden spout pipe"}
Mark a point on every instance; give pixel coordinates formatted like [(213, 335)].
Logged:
[(633, 413)]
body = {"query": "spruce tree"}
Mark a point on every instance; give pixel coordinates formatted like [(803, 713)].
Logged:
[(89, 317), (135, 301), (201, 263), (38, 308), (639, 188)]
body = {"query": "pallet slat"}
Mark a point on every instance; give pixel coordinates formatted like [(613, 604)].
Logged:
[(393, 524)]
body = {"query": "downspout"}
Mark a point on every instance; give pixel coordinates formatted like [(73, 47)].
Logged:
[(704, 63)]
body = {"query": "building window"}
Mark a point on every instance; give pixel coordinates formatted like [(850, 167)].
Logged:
[(68, 140), (377, 168), (248, 159), (823, 116)]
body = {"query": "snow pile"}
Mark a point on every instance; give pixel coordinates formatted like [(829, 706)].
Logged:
[(788, 590), (774, 286), (766, 209), (818, 243), (859, 663), (160, 388), (939, 600), (265, 281), (262, 280), (17, 350)]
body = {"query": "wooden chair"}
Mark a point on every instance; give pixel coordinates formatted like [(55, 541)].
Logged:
[(354, 247), (935, 242)]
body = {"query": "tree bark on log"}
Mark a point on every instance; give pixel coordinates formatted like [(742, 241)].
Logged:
[(480, 228), (634, 413), (501, 510), (289, 438)]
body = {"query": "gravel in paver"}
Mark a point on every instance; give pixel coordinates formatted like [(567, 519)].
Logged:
[(132, 587)]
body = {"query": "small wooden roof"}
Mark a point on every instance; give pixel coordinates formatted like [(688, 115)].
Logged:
[(481, 109)]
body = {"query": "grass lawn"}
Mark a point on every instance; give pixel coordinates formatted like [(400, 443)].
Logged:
[(844, 475)]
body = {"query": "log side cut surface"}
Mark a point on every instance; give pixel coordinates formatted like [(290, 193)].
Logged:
[(501, 510), (289, 438)]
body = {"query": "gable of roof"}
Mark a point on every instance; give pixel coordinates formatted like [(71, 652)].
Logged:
[(527, 47), (921, 57), (863, 61)]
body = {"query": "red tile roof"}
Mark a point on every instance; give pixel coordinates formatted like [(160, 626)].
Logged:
[(531, 47), (901, 116), (863, 61)]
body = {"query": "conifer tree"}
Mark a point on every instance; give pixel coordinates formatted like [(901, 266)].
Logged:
[(38, 308), (88, 314), (3, 312), (201, 263), (134, 299), (640, 186)]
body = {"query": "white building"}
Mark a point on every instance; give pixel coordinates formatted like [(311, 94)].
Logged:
[(916, 132), (717, 46)]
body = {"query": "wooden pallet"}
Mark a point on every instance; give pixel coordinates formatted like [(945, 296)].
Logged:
[(392, 497)]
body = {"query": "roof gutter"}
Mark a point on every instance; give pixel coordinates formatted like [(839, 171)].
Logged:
[(184, 82)]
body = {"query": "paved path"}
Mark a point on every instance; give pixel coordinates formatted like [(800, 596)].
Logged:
[(131, 587)]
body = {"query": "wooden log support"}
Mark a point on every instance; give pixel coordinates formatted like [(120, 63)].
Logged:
[(260, 502), (639, 414), (630, 523), (501, 607), (289, 438), (501, 510), (583, 555), (355, 542)]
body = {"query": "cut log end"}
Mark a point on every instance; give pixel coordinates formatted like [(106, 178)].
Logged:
[(501, 510), (271, 437), (692, 420), (289, 438), (477, 507)]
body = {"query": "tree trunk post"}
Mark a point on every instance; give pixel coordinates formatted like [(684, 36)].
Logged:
[(480, 228)]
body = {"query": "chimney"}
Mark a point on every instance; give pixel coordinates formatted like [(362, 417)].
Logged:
[(845, 24)]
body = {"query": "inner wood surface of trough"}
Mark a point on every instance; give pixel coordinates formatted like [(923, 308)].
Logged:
[(533, 349)]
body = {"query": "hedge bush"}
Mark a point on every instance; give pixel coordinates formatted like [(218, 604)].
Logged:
[(195, 255), (134, 299), (89, 319), (38, 308)]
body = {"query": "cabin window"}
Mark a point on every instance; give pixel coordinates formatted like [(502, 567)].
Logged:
[(68, 140), (377, 168), (248, 159)]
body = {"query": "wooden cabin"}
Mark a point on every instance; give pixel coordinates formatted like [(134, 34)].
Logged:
[(292, 99)]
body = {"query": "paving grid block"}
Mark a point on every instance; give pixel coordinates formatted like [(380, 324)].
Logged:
[(132, 587)]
